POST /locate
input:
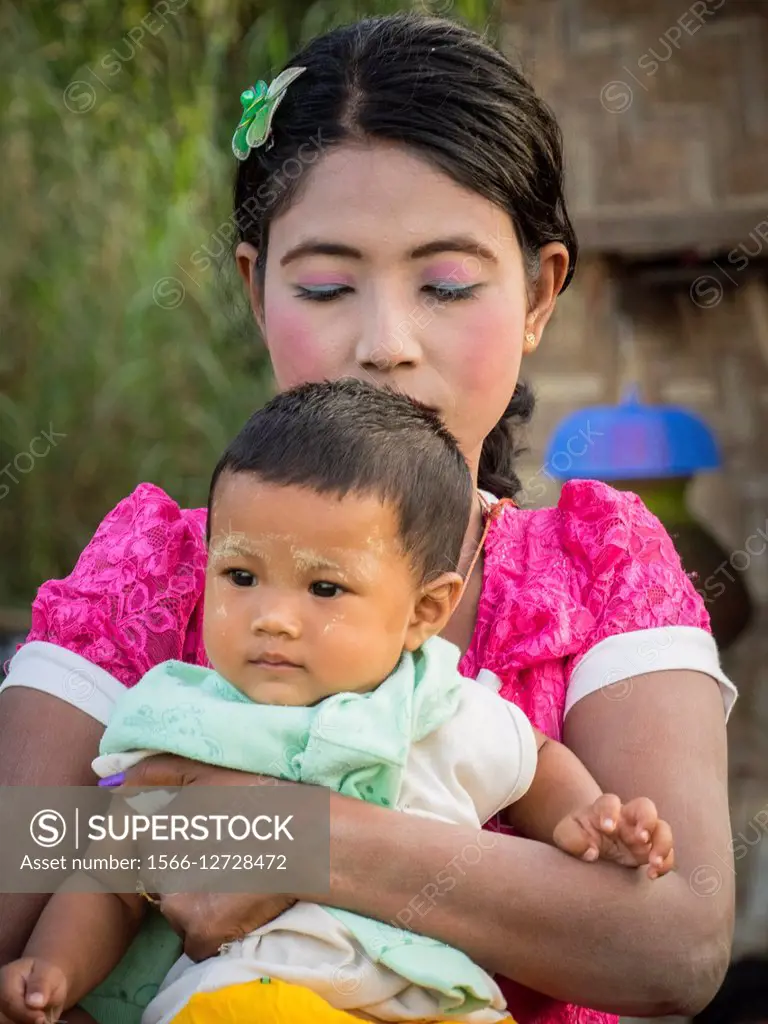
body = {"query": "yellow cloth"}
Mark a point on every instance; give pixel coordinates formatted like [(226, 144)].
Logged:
[(268, 1002)]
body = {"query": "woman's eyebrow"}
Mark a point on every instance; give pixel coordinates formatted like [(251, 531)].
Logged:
[(455, 243), (316, 247)]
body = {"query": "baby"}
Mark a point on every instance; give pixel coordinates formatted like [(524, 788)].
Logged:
[(331, 574)]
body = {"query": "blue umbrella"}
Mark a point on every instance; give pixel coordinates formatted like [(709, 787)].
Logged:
[(631, 441)]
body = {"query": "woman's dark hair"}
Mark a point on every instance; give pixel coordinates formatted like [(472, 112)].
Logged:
[(348, 436), (440, 89)]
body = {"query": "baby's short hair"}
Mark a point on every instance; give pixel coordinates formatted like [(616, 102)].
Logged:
[(348, 436)]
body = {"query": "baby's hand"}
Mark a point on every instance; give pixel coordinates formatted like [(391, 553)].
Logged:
[(32, 991), (630, 834)]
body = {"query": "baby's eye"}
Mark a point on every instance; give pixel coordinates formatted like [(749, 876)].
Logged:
[(324, 589), (241, 577)]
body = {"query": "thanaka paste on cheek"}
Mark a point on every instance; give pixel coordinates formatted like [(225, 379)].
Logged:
[(335, 620)]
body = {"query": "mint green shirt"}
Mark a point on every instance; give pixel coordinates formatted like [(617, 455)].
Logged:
[(354, 743)]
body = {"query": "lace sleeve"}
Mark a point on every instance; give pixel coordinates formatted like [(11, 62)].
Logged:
[(630, 574), (127, 604)]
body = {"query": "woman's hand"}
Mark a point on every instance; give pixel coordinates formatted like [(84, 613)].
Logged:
[(168, 770), (208, 920), (205, 921)]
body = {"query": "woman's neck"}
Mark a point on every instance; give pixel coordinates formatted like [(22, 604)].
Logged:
[(472, 537), (461, 625)]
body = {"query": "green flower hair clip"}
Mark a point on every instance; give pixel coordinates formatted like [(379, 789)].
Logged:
[(259, 105)]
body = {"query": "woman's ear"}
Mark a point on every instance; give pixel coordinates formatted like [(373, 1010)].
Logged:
[(434, 606), (553, 268), (246, 256)]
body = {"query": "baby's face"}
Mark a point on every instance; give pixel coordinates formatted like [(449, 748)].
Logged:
[(306, 594)]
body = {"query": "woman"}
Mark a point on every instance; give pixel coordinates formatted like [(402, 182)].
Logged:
[(405, 222)]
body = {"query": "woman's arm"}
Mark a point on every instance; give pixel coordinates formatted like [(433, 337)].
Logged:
[(597, 934), (44, 741), (592, 934), (46, 735)]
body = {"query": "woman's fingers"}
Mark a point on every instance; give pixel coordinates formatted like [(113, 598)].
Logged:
[(170, 770), (158, 770)]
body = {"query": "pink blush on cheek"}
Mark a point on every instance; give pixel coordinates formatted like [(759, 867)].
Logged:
[(493, 355), (294, 348)]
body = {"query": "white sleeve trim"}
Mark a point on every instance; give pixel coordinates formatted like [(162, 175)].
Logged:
[(529, 755), (40, 665), (664, 649)]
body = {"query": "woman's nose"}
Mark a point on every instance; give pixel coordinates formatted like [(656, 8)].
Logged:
[(389, 339)]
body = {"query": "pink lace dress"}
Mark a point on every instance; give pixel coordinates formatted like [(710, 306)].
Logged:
[(574, 598)]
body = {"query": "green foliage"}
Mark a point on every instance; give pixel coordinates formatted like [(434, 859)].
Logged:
[(115, 133)]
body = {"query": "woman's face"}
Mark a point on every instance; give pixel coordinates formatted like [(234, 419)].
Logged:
[(387, 270)]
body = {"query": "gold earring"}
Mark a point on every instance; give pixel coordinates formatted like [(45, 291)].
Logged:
[(530, 341)]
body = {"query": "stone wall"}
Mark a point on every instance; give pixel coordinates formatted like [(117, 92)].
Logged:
[(664, 110)]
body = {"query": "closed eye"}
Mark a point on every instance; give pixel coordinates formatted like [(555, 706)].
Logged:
[(445, 293), (322, 293)]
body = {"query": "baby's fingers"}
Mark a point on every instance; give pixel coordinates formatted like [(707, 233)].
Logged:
[(662, 856), (605, 813), (575, 837), (46, 990), (12, 990), (639, 819)]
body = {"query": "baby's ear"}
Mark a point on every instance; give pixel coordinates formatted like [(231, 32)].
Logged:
[(436, 600)]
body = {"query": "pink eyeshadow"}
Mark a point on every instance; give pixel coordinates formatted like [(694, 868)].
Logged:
[(309, 280), (464, 272)]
